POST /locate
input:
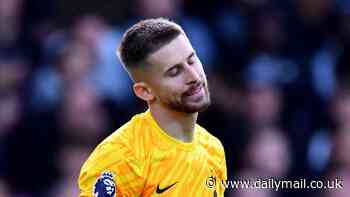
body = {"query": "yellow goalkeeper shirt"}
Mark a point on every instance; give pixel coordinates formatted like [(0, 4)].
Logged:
[(140, 159)]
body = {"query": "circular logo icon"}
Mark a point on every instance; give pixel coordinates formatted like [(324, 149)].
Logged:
[(211, 182)]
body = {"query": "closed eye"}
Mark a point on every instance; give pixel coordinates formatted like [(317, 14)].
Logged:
[(192, 58), (174, 71)]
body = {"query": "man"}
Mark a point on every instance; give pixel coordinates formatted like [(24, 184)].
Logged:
[(161, 152)]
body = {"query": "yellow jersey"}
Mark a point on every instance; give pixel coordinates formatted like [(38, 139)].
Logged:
[(140, 159)]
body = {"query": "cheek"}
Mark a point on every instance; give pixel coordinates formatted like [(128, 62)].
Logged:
[(202, 74), (170, 89), (200, 69)]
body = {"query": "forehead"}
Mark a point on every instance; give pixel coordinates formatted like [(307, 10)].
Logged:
[(171, 54)]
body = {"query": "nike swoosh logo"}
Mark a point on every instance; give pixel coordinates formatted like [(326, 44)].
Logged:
[(161, 190)]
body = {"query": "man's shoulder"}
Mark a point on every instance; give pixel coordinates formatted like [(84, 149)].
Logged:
[(214, 149), (208, 140), (117, 146)]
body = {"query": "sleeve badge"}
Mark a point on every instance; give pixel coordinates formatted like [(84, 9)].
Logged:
[(105, 186)]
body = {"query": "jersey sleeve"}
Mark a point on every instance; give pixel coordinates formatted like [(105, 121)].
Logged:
[(111, 171), (222, 173)]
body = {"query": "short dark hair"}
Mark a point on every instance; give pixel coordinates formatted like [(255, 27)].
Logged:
[(144, 38)]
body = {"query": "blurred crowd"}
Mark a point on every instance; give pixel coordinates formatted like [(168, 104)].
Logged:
[(279, 75)]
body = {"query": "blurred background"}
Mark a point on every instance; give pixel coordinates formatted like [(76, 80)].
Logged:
[(279, 74)]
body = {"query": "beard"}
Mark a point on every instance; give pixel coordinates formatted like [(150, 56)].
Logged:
[(186, 105)]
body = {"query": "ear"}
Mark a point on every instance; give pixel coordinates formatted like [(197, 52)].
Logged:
[(143, 91)]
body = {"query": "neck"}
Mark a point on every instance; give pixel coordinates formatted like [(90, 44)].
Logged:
[(179, 125)]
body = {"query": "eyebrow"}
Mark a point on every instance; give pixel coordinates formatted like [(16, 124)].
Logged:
[(179, 64)]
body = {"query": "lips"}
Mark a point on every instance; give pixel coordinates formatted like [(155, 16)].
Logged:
[(194, 90)]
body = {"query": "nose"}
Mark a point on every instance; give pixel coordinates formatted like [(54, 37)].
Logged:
[(192, 75)]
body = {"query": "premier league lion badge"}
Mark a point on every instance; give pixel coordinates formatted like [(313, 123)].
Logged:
[(105, 186)]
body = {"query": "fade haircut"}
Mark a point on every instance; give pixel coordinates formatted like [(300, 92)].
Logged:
[(144, 38)]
